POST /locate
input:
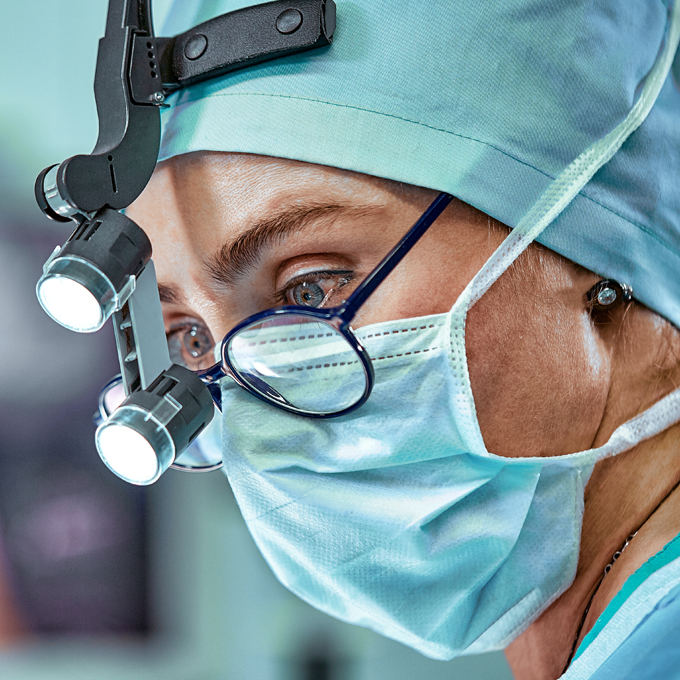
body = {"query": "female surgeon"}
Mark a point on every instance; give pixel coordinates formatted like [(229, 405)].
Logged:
[(512, 479)]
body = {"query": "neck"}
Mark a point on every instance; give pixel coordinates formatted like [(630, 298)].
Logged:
[(635, 491)]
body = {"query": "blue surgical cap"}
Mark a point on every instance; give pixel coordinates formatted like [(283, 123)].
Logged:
[(487, 100)]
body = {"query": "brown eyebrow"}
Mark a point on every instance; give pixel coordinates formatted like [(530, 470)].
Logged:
[(238, 256), (171, 294)]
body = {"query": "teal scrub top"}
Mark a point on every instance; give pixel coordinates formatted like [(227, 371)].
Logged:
[(637, 637)]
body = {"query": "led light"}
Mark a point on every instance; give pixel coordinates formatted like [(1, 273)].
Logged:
[(95, 272), (128, 454), (76, 294), (146, 433), (135, 445), (70, 303), (204, 454)]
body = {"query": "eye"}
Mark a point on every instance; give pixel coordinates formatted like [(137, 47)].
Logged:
[(316, 289), (191, 345), (310, 294)]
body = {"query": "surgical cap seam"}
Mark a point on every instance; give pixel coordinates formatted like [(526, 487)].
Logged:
[(191, 100), (359, 108)]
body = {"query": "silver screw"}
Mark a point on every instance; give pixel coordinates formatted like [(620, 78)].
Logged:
[(158, 97)]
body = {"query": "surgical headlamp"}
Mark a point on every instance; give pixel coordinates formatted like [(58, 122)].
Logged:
[(105, 270), (144, 435), (95, 272)]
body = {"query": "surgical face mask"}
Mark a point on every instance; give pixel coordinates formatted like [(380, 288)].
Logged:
[(395, 516)]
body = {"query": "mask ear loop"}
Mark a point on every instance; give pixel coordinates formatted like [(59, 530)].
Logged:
[(554, 200)]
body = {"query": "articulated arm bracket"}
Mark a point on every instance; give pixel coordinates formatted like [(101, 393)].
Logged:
[(135, 72)]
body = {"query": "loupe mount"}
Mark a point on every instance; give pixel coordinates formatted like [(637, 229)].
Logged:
[(135, 73), (121, 163), (105, 268)]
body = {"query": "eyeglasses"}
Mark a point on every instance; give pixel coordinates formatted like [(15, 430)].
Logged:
[(308, 360), (301, 359)]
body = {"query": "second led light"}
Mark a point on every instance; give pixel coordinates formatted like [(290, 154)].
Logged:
[(94, 273)]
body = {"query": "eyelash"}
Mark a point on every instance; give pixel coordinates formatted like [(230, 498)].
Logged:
[(342, 278)]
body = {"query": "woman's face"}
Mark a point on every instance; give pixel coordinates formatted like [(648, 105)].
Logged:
[(236, 234)]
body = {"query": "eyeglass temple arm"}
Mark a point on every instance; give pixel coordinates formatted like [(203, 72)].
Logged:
[(393, 258)]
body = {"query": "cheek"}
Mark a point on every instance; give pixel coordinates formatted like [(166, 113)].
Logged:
[(540, 376)]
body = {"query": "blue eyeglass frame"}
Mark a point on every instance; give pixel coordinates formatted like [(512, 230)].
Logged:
[(338, 318)]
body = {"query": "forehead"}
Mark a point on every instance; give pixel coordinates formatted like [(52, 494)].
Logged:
[(195, 203), (248, 185), (195, 199)]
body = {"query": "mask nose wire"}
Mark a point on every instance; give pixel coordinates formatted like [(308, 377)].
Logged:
[(577, 174)]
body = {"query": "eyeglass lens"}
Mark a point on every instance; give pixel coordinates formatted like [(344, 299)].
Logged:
[(299, 361)]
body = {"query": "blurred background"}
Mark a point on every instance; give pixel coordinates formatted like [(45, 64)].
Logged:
[(99, 578)]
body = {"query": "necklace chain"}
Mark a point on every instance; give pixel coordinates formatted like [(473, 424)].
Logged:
[(615, 557), (606, 570)]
